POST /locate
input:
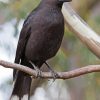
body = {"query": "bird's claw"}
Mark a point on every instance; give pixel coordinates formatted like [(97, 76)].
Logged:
[(39, 73), (54, 74)]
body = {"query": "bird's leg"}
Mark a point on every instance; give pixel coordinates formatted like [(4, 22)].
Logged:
[(37, 69), (55, 75)]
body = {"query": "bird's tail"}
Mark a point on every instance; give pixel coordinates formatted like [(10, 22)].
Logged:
[(21, 90)]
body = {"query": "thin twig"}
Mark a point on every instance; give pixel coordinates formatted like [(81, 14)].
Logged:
[(61, 75)]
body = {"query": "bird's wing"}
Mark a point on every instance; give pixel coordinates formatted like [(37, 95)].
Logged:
[(24, 35)]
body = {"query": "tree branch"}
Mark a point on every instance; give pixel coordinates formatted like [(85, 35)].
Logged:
[(61, 75), (80, 28)]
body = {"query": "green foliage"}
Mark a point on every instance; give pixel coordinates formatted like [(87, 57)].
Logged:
[(17, 8)]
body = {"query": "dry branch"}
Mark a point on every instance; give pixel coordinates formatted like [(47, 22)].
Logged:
[(61, 75), (80, 28)]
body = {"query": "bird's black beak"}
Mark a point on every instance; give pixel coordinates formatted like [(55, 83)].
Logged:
[(65, 0)]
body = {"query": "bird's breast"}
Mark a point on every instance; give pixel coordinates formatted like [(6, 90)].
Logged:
[(46, 36)]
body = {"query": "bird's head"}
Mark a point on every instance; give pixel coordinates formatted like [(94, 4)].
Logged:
[(56, 2), (60, 2)]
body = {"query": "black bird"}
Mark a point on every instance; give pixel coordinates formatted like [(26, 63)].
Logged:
[(39, 40)]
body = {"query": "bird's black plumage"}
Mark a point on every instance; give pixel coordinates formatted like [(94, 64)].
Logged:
[(39, 40)]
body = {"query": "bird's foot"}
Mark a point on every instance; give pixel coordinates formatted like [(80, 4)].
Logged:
[(54, 74), (38, 71)]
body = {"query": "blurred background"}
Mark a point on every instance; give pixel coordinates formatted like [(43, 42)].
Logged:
[(72, 54)]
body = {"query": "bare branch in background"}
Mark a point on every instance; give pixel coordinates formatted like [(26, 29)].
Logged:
[(61, 75), (90, 38)]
